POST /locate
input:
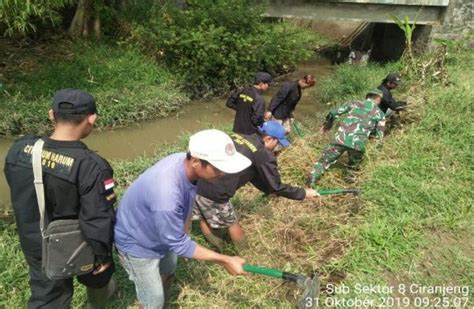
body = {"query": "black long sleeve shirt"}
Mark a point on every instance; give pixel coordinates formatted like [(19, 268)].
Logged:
[(284, 102), (78, 184), (263, 174), (387, 100), (249, 109)]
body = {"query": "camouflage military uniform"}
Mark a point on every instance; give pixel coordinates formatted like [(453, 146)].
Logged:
[(352, 136)]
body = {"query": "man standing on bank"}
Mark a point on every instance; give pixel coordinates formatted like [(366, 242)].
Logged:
[(213, 206), (249, 105), (78, 184), (363, 119), (284, 102), (154, 214), (389, 105)]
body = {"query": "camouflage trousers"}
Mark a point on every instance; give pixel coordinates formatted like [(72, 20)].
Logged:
[(217, 215), (330, 156)]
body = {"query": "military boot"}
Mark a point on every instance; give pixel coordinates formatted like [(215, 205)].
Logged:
[(97, 298)]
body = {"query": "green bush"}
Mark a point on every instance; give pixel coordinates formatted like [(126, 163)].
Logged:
[(215, 45)]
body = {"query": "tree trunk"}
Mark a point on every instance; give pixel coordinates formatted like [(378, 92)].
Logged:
[(84, 22), (97, 27)]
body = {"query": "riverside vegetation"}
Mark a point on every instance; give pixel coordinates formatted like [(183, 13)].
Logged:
[(153, 57), (129, 86), (411, 225)]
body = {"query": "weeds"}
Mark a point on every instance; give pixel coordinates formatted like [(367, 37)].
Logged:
[(349, 83)]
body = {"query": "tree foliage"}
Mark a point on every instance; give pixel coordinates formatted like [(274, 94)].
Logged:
[(22, 16), (212, 44), (217, 43)]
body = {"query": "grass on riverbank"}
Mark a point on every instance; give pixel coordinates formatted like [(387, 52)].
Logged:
[(150, 72), (128, 86), (412, 224)]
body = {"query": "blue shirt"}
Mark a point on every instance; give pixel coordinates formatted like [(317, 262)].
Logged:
[(153, 212)]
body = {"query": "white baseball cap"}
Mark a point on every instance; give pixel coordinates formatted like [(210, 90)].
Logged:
[(217, 148)]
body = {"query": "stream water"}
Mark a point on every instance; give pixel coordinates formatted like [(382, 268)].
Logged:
[(143, 139)]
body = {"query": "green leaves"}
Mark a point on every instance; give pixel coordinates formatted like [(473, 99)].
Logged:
[(220, 44), (17, 16), (406, 26)]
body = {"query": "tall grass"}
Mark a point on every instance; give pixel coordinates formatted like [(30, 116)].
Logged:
[(350, 83), (418, 198), (128, 86)]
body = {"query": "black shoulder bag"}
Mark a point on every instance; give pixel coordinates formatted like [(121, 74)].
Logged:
[(65, 252)]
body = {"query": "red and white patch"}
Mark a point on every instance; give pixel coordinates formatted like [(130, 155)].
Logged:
[(230, 149), (109, 184)]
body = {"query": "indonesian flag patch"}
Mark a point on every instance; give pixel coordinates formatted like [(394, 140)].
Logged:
[(109, 184)]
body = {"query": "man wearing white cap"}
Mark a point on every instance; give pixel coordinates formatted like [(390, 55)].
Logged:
[(152, 215), (213, 206)]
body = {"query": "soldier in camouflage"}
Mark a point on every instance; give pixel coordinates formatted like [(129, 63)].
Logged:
[(352, 136)]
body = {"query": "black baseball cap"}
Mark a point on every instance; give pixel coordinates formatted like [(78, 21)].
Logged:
[(263, 77), (394, 78), (74, 101)]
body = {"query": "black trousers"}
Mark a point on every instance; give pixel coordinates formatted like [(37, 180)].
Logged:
[(47, 293)]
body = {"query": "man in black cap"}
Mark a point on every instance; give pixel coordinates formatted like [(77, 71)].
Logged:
[(78, 184), (249, 105), (389, 105)]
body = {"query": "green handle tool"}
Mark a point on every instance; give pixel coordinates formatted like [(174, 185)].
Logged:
[(355, 191), (310, 285), (297, 128), (271, 272), (322, 192)]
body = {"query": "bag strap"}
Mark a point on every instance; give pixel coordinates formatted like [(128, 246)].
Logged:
[(38, 175)]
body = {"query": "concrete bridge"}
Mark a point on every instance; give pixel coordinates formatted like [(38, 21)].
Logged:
[(426, 12)]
